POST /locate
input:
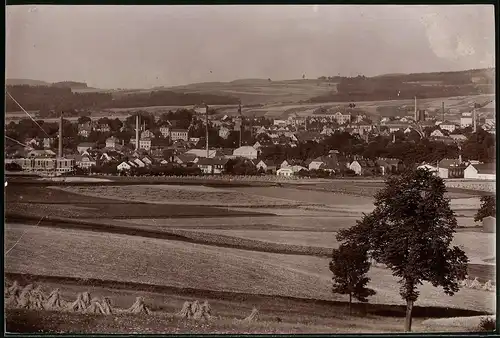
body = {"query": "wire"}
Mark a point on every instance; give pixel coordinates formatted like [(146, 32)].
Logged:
[(28, 114), (25, 231), (14, 140)]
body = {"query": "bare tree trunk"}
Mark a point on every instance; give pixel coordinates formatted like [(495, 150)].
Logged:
[(409, 308), (350, 304)]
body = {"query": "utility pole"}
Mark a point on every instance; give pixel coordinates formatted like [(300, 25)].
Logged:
[(416, 116), (241, 121), (206, 127), (442, 105), (474, 118)]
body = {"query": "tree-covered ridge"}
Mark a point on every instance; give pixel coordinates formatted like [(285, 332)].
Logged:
[(45, 99)]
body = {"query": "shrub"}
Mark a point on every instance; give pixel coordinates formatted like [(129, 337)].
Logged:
[(487, 324)]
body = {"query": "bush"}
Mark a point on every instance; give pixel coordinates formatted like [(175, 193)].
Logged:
[(487, 324)]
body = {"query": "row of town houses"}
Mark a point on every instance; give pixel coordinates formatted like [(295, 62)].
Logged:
[(296, 129), (214, 162)]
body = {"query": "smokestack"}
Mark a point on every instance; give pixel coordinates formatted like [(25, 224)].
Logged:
[(137, 132), (241, 121), (442, 105), (416, 117), (474, 119), (206, 128), (60, 152)]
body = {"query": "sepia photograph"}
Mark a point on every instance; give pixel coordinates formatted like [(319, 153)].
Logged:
[(250, 169)]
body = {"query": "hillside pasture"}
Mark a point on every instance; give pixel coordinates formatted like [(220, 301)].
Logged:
[(74, 253)]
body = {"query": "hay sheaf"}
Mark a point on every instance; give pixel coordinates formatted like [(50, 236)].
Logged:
[(139, 307), (252, 316), (100, 306), (54, 302), (196, 311), (81, 303), (476, 284)]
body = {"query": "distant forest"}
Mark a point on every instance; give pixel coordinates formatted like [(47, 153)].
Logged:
[(406, 86), (61, 98)]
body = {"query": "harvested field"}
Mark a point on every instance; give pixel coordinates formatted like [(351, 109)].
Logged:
[(477, 245), (122, 210), (31, 321), (467, 324), (315, 239), (169, 194), (289, 223), (340, 201), (143, 260)]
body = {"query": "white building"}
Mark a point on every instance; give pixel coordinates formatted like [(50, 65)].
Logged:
[(111, 142), (437, 133), (280, 123), (480, 171), (139, 163), (450, 126), (287, 172), (123, 166), (179, 134), (165, 131), (341, 118), (466, 120), (224, 132), (143, 143), (247, 152)]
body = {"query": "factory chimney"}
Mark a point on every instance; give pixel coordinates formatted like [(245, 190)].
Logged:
[(60, 152), (241, 121), (137, 132), (206, 127), (474, 123), (442, 105), (416, 111)]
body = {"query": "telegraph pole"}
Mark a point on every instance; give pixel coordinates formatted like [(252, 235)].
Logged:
[(442, 104), (241, 120), (474, 118), (206, 127)]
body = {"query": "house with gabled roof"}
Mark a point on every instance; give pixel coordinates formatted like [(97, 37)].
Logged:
[(212, 166), (84, 146), (363, 167), (266, 165), (482, 171)]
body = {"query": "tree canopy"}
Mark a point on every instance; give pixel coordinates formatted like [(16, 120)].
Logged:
[(410, 231), (349, 266), (488, 208)]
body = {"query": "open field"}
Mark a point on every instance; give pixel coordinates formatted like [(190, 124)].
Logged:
[(159, 262), (184, 245), (478, 246), (253, 91), (276, 314), (176, 194), (281, 223)]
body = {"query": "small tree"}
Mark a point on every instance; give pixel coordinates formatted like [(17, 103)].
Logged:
[(349, 266), (410, 231), (488, 208)]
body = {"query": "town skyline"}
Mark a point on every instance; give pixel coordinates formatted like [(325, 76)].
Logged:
[(288, 42)]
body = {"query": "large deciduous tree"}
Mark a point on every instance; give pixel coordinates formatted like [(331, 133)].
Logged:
[(349, 266), (410, 231)]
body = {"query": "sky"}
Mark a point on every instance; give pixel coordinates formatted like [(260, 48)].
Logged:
[(148, 46)]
